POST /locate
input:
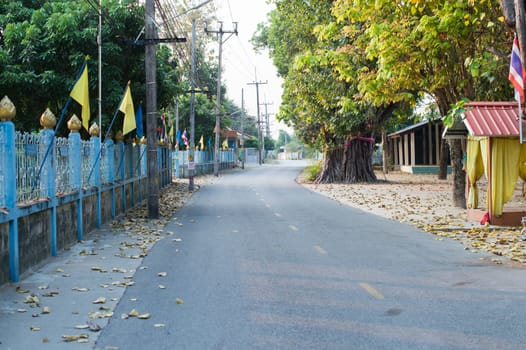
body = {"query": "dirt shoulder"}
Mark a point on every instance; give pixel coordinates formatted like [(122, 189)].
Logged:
[(425, 202)]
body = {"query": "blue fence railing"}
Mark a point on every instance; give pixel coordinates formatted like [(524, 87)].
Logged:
[(203, 162)]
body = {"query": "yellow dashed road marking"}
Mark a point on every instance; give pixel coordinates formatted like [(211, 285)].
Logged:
[(370, 289), (320, 250)]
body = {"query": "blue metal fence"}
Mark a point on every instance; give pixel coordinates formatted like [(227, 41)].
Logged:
[(40, 172), (203, 162)]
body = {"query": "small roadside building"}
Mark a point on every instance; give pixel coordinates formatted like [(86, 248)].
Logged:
[(493, 149), (417, 148)]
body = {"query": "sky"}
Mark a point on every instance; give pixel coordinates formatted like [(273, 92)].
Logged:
[(242, 65)]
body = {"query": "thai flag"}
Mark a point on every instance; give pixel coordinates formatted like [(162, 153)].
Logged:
[(517, 72)]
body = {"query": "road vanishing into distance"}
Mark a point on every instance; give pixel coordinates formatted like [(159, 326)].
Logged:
[(267, 264)]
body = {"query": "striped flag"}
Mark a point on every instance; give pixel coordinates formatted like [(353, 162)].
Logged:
[(516, 75)]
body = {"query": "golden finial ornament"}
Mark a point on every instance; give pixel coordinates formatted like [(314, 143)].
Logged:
[(48, 120), (74, 124), (7, 109), (94, 130)]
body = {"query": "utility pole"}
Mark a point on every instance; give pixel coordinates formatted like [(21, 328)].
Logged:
[(267, 118), (176, 119), (150, 60), (220, 32), (257, 83), (151, 110), (242, 130), (191, 164)]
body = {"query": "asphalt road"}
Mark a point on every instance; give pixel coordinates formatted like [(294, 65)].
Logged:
[(266, 264)]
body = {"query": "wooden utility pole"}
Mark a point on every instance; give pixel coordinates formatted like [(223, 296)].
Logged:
[(220, 32), (150, 63)]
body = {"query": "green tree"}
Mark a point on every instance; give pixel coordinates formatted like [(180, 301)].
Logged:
[(45, 42), (317, 100), (449, 50)]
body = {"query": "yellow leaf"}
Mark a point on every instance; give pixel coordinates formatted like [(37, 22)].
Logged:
[(100, 300), (133, 313), (20, 290)]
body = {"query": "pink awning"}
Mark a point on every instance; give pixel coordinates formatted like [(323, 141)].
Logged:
[(498, 119)]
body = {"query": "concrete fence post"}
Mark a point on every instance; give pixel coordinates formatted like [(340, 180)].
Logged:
[(48, 174), (95, 161), (110, 156), (122, 171), (75, 176), (8, 174)]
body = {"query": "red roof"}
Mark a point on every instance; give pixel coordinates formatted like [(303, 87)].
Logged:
[(492, 118)]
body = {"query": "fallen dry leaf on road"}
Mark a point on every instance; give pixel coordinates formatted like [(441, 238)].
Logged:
[(20, 290), (72, 338), (100, 300)]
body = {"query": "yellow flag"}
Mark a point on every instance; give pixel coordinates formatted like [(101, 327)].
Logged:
[(202, 143), (225, 144), (80, 93), (126, 107)]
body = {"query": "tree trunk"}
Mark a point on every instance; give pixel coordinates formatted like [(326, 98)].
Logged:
[(459, 175), (352, 163), (386, 153), (444, 160), (508, 10), (331, 170), (359, 162)]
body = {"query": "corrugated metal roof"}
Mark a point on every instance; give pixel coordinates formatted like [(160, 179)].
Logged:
[(413, 127), (492, 118)]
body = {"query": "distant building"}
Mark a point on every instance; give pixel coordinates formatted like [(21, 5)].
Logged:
[(417, 148)]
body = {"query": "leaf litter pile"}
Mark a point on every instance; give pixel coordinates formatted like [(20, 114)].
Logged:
[(139, 234), (426, 202)]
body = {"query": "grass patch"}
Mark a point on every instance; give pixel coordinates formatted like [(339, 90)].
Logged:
[(311, 172)]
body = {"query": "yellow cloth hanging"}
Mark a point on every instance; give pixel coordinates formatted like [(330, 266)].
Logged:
[(475, 169), (522, 167), (505, 157)]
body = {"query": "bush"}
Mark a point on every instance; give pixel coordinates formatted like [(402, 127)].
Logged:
[(312, 171)]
